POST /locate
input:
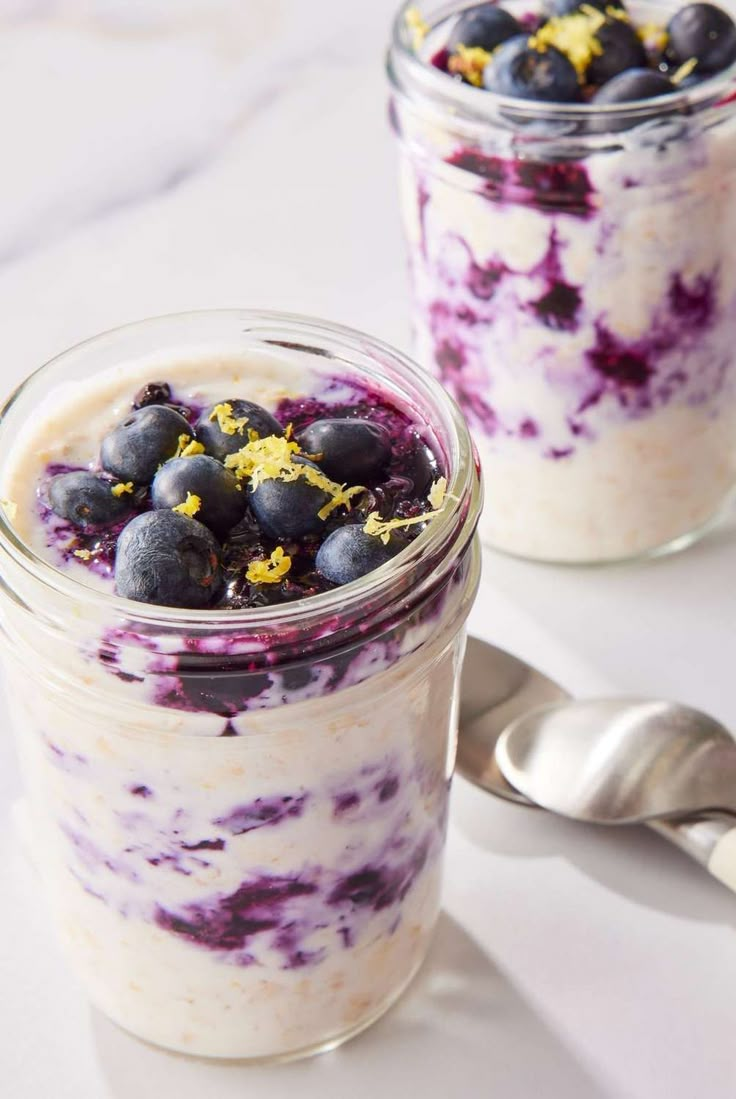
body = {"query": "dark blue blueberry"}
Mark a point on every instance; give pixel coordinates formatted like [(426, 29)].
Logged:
[(87, 501), (622, 49), (423, 469), (223, 503), (349, 451), (288, 509), (517, 69), (484, 25), (219, 443), (628, 87), (349, 553), (703, 32), (145, 439), (152, 393), (167, 559)]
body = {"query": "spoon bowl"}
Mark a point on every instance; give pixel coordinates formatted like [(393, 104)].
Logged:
[(620, 761)]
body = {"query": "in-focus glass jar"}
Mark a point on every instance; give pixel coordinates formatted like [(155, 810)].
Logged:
[(239, 816), (574, 288)]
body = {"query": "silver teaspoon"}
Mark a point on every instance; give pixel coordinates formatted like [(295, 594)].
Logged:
[(501, 693)]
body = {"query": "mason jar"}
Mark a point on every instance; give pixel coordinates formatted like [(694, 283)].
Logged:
[(574, 288), (239, 815)]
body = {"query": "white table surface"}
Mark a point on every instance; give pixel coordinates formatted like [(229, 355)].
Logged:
[(175, 154)]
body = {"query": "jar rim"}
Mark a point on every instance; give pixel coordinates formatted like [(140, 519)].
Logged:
[(452, 527), (410, 74)]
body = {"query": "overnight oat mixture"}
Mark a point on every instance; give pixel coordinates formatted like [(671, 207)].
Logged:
[(239, 820), (574, 288)]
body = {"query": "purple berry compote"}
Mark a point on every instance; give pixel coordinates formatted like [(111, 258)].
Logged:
[(237, 556), (568, 184)]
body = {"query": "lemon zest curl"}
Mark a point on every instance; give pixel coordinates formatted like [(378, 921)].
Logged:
[(437, 493), (269, 570), (382, 528), (190, 506), (226, 421), (470, 62), (123, 487), (418, 27), (272, 459), (188, 447)]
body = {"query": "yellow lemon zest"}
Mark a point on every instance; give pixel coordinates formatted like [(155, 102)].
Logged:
[(10, 508), (574, 35), (684, 70), (272, 458), (654, 36), (381, 528), (83, 554), (342, 498), (252, 435), (188, 447), (269, 570), (226, 422), (469, 61), (123, 487), (190, 506), (289, 431), (437, 492), (418, 26), (264, 459), (612, 12)]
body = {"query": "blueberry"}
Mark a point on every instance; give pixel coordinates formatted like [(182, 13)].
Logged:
[(622, 49), (222, 502), (703, 32), (349, 553), (349, 451), (168, 559), (288, 509), (87, 501), (485, 26), (634, 84), (220, 443), (519, 70), (152, 393), (135, 449), (423, 469)]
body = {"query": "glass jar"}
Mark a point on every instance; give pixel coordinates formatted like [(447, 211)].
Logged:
[(574, 288), (239, 816)]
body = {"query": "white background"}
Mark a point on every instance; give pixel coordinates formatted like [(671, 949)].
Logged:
[(163, 155)]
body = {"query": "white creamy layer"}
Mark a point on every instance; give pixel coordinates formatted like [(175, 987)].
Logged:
[(184, 996), (636, 478), (140, 831)]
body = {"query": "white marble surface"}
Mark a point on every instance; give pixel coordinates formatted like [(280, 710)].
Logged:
[(161, 155)]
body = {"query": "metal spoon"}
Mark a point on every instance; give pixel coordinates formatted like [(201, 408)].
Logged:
[(496, 689), (499, 693), (621, 761)]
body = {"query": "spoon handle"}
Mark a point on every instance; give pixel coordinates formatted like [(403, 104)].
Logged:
[(711, 841)]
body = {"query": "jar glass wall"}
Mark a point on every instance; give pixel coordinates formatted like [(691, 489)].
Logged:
[(239, 815), (575, 290)]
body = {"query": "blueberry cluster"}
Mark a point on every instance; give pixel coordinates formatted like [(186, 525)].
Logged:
[(235, 507), (587, 51)]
